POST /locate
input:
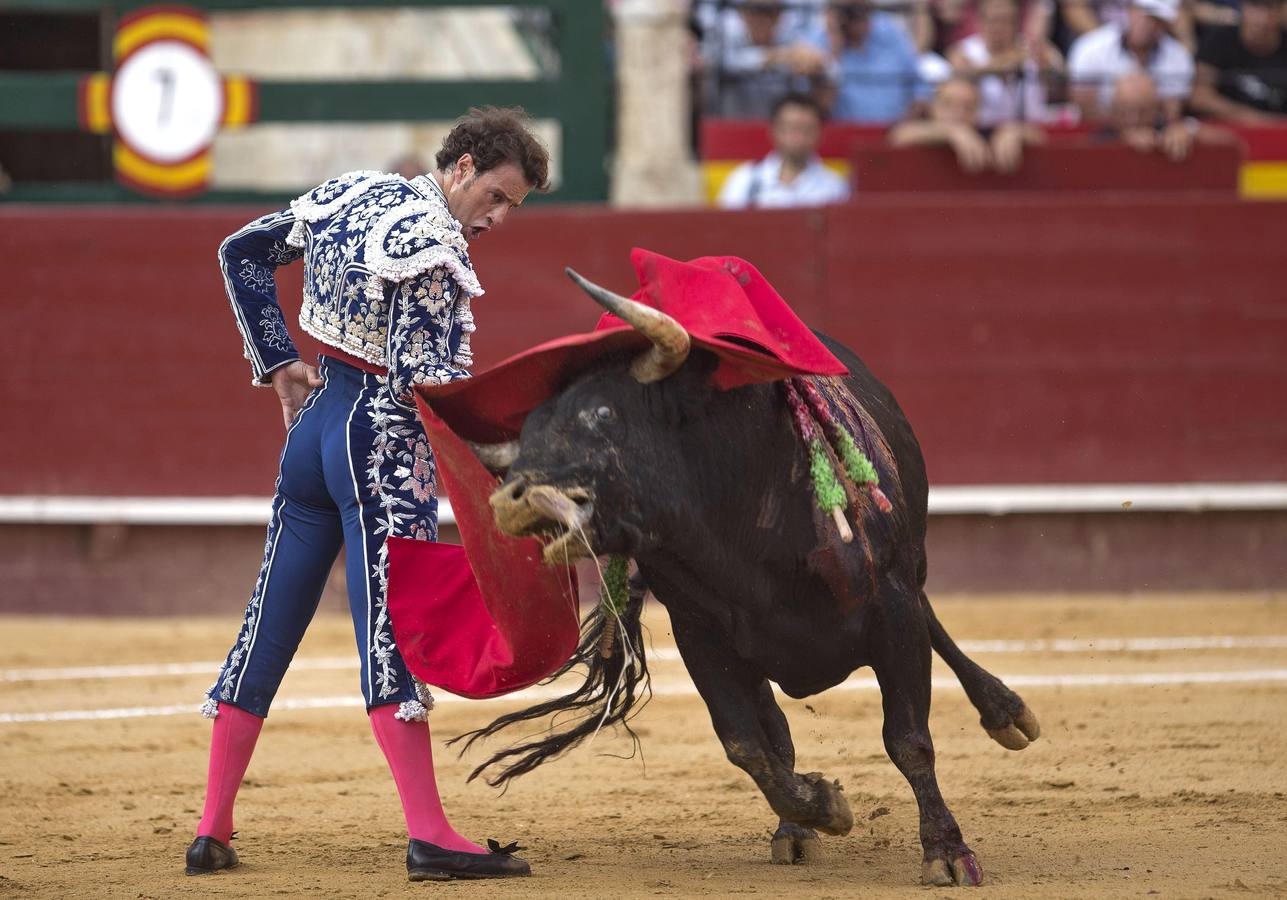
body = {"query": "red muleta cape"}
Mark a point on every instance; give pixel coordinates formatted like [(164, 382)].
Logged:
[(490, 618)]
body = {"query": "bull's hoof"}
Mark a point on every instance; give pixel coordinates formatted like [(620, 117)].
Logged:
[(831, 812), (1019, 732), (794, 844), (959, 867)]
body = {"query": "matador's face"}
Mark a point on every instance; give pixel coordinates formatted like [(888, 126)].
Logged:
[(480, 201)]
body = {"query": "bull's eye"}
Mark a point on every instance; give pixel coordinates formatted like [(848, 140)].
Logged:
[(604, 413)]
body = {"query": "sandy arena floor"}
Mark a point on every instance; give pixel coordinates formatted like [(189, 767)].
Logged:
[(1162, 770)]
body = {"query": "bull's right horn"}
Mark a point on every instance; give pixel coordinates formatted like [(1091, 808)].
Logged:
[(496, 458), (670, 343)]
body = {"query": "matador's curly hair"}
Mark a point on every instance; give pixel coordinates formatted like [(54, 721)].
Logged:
[(493, 136)]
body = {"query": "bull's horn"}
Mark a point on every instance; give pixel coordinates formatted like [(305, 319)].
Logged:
[(670, 344), (496, 458)]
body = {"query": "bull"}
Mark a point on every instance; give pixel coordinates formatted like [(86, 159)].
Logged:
[(708, 492)]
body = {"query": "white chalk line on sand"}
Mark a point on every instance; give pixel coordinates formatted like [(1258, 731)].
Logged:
[(160, 670), (546, 692), (670, 654)]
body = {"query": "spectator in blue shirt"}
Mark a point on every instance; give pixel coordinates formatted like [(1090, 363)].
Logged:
[(875, 74)]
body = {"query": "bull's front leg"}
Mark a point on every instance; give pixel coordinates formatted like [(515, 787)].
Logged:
[(792, 843), (755, 736)]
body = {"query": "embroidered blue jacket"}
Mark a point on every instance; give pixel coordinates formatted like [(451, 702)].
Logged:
[(387, 279)]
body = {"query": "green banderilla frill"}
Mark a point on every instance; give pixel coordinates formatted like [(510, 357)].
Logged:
[(856, 462), (860, 469), (826, 487), (857, 465), (613, 594)]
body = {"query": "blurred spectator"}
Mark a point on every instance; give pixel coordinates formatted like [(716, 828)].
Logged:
[(953, 122), (1099, 58), (1079, 17), (802, 21), (805, 22), (1011, 70), (1242, 70), (1214, 14), (793, 174), (946, 23), (1137, 119), (1084, 16), (755, 53), (919, 25), (933, 69), (875, 73)]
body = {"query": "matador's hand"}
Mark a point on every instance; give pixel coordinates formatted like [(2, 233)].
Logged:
[(293, 383)]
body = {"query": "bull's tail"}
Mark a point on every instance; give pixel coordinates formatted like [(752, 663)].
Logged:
[(615, 688), (1003, 714)]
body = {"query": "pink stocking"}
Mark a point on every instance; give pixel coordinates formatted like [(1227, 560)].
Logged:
[(407, 748), (235, 733)]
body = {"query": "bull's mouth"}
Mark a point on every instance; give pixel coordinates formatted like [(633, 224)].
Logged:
[(556, 516)]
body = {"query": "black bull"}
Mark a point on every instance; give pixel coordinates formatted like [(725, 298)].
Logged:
[(708, 491)]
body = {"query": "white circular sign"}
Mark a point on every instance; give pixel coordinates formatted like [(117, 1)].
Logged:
[(167, 101)]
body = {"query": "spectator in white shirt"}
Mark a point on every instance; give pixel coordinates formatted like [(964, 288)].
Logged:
[(793, 174), (1100, 57), (1011, 70), (954, 122)]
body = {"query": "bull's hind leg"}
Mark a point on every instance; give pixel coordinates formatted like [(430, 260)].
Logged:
[(755, 738), (901, 657), (1002, 712)]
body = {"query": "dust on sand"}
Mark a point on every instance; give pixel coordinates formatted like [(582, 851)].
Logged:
[(1154, 789)]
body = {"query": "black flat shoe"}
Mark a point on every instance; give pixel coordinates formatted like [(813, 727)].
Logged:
[(208, 855), (429, 862)]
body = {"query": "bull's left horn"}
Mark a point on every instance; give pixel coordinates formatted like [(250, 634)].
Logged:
[(670, 343), (496, 458)]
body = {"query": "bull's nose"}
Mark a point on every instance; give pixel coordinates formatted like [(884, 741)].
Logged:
[(510, 492), (510, 509)]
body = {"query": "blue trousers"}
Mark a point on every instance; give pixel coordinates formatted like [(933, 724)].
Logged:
[(356, 469)]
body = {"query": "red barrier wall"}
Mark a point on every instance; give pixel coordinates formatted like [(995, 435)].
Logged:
[(1064, 341), (1030, 339), (1067, 167)]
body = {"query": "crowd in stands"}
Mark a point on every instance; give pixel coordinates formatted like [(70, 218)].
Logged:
[(988, 77)]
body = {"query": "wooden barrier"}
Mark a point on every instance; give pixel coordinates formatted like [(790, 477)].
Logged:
[(1030, 339), (1056, 168)]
